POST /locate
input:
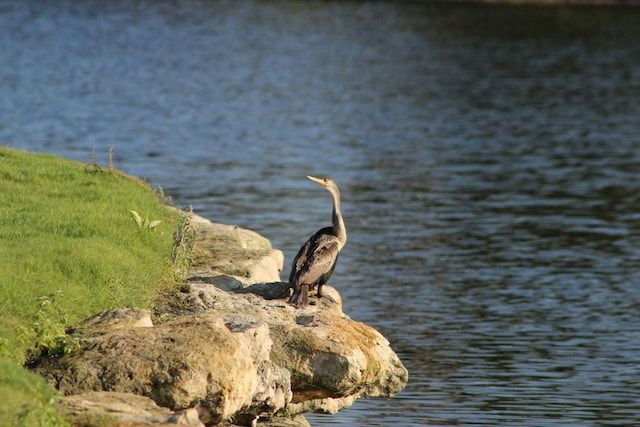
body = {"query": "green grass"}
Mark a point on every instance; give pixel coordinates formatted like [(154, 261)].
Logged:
[(25, 399), (69, 248)]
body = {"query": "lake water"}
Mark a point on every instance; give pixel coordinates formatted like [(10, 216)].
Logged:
[(488, 157)]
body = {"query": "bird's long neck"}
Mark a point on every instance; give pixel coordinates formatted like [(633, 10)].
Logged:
[(338, 223)]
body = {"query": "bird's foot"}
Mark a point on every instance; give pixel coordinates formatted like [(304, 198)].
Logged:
[(326, 297)]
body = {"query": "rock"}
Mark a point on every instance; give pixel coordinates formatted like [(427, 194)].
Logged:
[(233, 251), (97, 408), (273, 290), (295, 421), (190, 362), (120, 318), (226, 283), (227, 347), (332, 359)]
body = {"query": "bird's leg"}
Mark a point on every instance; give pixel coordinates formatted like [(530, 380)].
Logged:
[(303, 299), (300, 297), (293, 299), (329, 297)]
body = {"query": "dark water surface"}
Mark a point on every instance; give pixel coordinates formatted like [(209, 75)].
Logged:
[(488, 157)]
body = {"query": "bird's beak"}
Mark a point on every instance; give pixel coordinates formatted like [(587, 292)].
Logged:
[(318, 180)]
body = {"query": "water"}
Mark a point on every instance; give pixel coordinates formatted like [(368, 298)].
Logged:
[(488, 158)]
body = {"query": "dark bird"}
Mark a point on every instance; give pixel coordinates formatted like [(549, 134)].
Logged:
[(316, 259)]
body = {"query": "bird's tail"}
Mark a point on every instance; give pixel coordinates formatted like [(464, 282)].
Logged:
[(300, 297)]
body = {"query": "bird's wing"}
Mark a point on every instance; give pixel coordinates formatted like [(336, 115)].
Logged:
[(302, 256), (306, 251), (320, 261)]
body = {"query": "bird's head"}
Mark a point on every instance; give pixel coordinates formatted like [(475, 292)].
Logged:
[(325, 182), (332, 188)]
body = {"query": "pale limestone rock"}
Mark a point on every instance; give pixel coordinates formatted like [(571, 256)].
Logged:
[(326, 405), (295, 421), (333, 360), (123, 408), (232, 235), (120, 318), (190, 362), (228, 345), (234, 251)]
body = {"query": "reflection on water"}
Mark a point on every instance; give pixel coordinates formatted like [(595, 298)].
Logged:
[(488, 159)]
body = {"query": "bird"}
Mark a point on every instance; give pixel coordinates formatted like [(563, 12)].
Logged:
[(316, 259)]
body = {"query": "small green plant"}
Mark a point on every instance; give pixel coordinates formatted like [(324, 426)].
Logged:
[(5, 350), (94, 167), (163, 198), (48, 331), (184, 238), (144, 223)]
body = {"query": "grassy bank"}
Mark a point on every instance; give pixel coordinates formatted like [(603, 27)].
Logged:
[(69, 248)]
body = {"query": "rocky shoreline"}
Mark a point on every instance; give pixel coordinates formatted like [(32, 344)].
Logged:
[(225, 350)]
